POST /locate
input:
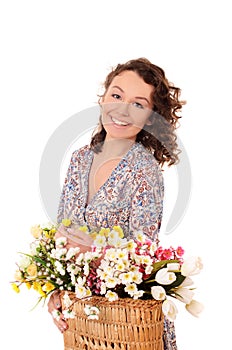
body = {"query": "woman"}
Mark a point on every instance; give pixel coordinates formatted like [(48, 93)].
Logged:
[(117, 179)]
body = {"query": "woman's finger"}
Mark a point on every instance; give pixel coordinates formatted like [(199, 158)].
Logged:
[(54, 302), (54, 307), (74, 236), (80, 237), (60, 323), (57, 301)]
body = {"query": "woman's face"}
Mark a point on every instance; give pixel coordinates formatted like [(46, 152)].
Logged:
[(126, 106)]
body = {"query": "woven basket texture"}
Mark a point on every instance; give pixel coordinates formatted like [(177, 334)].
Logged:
[(125, 324)]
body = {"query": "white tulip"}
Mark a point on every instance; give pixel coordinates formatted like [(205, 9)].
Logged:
[(187, 282), (158, 293), (194, 307), (173, 267), (169, 309), (163, 276), (191, 266), (184, 294)]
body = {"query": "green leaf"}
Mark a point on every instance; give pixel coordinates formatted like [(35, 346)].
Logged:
[(160, 264), (39, 300), (157, 266)]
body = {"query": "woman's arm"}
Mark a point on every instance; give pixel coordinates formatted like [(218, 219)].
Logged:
[(147, 202), (70, 188), (75, 238)]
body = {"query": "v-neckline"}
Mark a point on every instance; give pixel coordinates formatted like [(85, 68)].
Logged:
[(107, 180)]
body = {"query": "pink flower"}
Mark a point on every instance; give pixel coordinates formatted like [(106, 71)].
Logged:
[(179, 251), (148, 242), (159, 252), (167, 254)]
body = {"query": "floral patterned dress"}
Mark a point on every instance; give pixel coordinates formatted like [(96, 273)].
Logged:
[(132, 197)]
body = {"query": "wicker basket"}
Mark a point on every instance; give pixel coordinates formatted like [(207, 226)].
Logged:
[(125, 324)]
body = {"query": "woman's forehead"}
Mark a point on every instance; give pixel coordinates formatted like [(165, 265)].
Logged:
[(130, 81)]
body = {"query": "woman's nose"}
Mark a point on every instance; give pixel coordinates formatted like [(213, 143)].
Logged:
[(123, 109)]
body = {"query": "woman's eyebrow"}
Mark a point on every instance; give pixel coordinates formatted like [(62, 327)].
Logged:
[(142, 98), (117, 87), (138, 97)]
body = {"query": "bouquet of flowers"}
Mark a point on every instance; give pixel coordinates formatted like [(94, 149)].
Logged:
[(115, 267)]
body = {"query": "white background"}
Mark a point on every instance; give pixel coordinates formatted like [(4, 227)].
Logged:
[(54, 56)]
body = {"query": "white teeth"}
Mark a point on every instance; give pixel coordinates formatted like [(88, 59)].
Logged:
[(118, 122)]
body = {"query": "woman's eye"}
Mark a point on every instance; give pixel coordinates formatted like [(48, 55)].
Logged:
[(116, 96), (138, 105)]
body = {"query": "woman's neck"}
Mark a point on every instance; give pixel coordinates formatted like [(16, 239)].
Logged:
[(116, 147)]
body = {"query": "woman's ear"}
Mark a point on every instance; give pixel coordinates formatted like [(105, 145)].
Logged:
[(151, 118), (149, 121), (101, 100)]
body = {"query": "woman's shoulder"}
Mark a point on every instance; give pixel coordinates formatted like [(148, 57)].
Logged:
[(145, 167), (142, 158), (81, 153)]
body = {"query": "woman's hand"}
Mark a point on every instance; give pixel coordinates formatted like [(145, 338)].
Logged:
[(54, 304), (75, 238)]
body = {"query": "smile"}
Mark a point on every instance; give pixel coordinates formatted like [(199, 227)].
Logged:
[(119, 122)]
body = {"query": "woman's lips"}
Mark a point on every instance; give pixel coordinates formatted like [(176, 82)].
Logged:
[(119, 123)]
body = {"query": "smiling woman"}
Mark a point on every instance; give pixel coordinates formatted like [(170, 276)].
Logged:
[(116, 180), (126, 106)]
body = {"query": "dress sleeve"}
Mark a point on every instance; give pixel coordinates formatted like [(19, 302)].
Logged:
[(147, 202), (69, 186)]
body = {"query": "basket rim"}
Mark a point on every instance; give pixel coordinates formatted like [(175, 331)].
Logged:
[(101, 299)]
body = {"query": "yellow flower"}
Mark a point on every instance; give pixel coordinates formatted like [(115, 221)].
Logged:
[(104, 232), (32, 270), (50, 234), (48, 287), (36, 231), (46, 233), (88, 293), (83, 228), (66, 222), (119, 230), (28, 285), (41, 292), (37, 286), (15, 287), (93, 235)]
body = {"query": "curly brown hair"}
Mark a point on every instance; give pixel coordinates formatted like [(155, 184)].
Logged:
[(160, 137)]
